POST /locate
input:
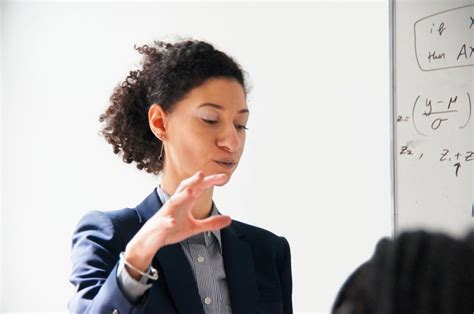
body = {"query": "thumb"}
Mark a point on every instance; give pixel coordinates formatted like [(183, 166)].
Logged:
[(213, 223)]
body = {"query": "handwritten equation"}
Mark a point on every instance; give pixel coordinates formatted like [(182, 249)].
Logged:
[(435, 114), (446, 156), (445, 40)]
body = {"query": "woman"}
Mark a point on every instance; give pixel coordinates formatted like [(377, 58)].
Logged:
[(182, 115)]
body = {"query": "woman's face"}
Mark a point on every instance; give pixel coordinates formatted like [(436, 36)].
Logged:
[(206, 130)]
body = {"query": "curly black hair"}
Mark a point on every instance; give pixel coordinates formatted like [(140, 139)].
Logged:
[(417, 273), (168, 72)]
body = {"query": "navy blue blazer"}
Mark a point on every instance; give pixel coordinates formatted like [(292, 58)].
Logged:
[(257, 264)]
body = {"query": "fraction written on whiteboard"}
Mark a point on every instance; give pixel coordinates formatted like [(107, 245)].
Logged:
[(432, 114)]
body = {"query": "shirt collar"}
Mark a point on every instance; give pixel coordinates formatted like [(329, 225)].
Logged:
[(165, 196)]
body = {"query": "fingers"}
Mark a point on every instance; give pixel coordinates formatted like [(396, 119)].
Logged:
[(213, 223), (178, 198), (212, 180), (188, 182), (195, 185), (199, 182)]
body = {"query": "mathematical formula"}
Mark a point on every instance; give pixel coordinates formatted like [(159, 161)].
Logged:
[(446, 156)]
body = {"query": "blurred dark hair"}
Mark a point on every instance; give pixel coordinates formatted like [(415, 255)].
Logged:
[(168, 72), (418, 272)]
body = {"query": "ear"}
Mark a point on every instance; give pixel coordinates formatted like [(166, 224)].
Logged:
[(157, 120)]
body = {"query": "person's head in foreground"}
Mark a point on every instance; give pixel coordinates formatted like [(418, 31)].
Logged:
[(418, 272)]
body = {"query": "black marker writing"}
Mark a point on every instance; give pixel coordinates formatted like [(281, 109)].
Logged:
[(434, 56), (441, 29), (452, 101), (402, 119), (443, 154), (406, 151), (428, 104), (437, 123), (463, 52), (469, 156), (457, 165)]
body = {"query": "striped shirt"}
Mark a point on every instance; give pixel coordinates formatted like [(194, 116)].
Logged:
[(204, 254)]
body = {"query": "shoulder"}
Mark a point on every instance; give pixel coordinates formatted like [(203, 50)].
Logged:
[(118, 216), (254, 231), (116, 226), (113, 219)]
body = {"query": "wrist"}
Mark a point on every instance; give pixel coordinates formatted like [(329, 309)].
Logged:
[(139, 261), (137, 273), (138, 256)]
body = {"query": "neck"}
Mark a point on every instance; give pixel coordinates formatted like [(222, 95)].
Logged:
[(203, 206)]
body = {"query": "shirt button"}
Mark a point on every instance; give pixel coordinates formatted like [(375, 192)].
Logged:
[(207, 300), (201, 259), (115, 311)]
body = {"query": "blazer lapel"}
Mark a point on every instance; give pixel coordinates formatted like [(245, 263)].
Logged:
[(172, 265), (179, 279), (240, 271)]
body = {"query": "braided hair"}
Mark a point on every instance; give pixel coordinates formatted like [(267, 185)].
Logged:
[(418, 272), (168, 72)]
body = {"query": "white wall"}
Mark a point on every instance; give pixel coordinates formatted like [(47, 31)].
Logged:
[(2, 10), (316, 167)]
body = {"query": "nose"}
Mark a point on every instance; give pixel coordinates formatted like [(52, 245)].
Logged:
[(230, 139)]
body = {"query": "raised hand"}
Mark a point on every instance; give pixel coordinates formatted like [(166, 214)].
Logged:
[(174, 222)]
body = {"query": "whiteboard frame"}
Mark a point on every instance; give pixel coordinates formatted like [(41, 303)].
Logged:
[(393, 110)]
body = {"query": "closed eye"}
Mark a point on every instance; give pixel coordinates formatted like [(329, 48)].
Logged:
[(209, 121), (239, 126)]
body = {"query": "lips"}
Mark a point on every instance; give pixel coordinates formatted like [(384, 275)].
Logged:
[(226, 163)]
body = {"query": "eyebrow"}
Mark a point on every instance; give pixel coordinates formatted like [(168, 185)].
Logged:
[(220, 107)]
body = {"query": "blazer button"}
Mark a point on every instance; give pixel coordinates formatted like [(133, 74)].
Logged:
[(115, 311)]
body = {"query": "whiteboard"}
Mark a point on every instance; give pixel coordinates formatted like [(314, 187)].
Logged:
[(432, 54)]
